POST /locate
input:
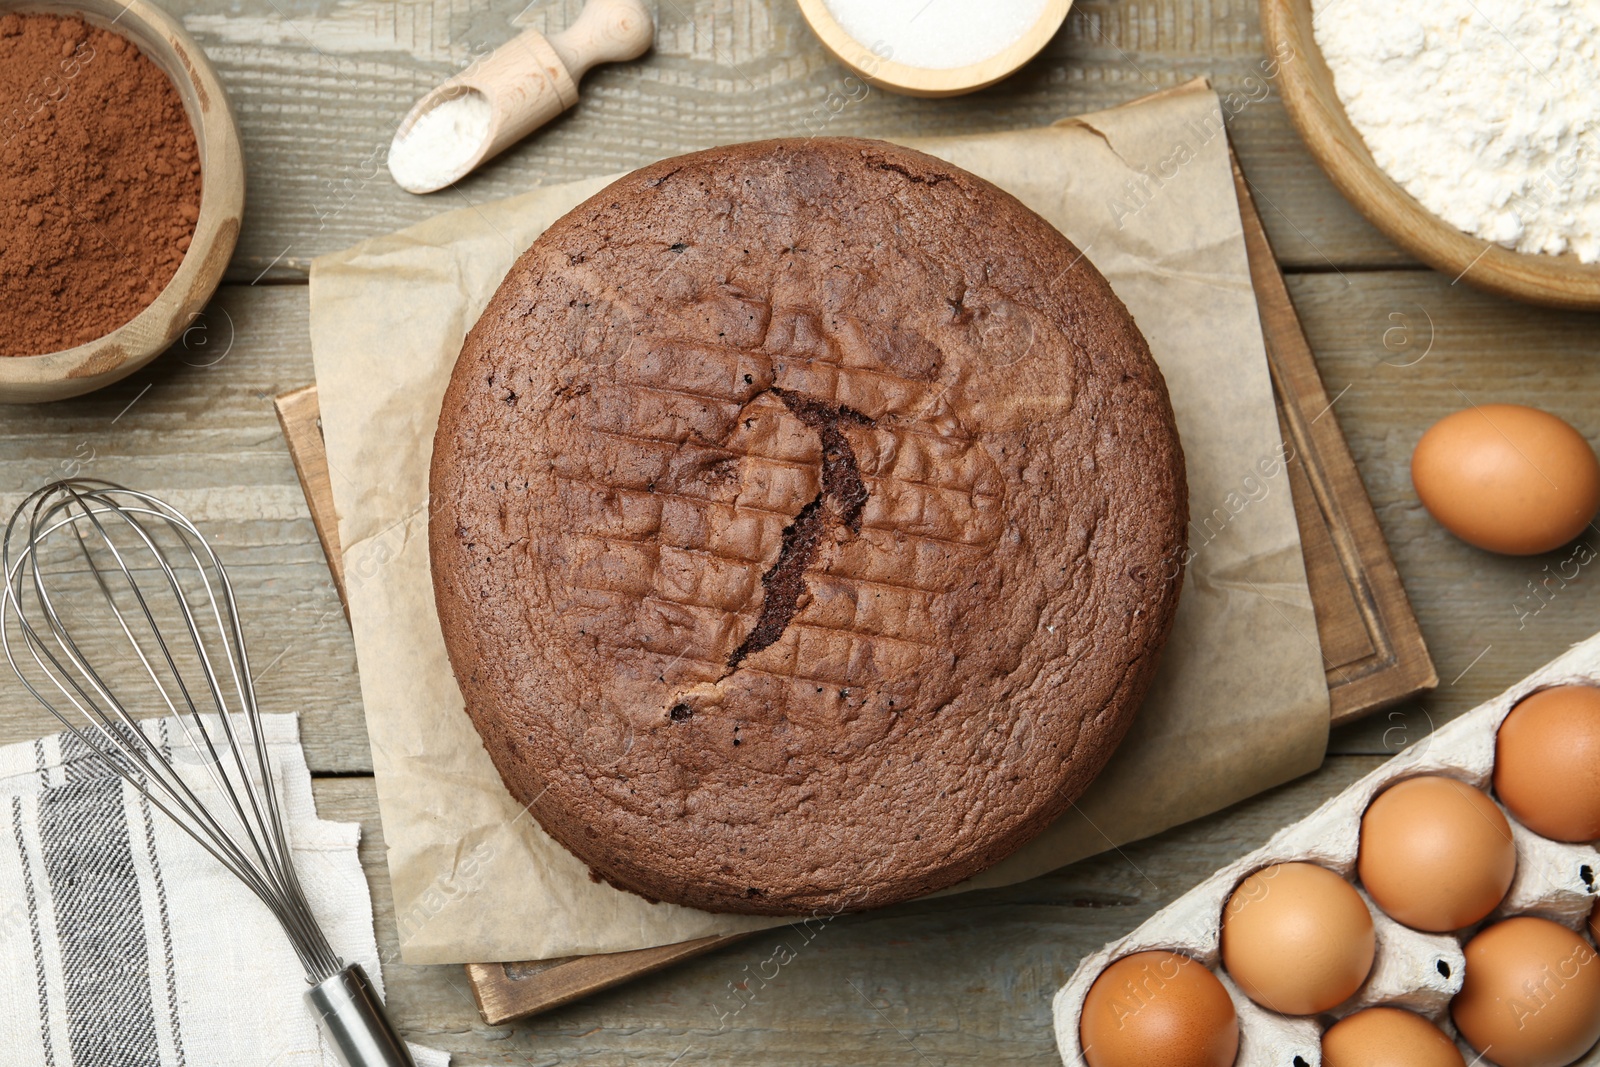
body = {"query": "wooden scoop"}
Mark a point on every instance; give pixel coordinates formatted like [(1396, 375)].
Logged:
[(526, 82)]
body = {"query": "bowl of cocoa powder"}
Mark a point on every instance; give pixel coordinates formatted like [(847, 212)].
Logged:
[(121, 191)]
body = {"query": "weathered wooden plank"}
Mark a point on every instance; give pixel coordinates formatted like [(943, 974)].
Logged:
[(197, 427), (1399, 351), (320, 86), (958, 980)]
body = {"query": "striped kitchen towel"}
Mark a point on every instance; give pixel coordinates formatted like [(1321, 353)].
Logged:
[(123, 944)]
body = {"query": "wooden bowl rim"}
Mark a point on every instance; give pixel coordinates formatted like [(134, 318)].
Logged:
[(886, 73), (1317, 113), (89, 366)]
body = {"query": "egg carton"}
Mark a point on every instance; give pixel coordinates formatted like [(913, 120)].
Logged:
[(1411, 969)]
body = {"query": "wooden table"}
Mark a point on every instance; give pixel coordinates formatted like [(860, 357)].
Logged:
[(319, 87)]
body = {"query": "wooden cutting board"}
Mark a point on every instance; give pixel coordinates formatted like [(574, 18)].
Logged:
[(1372, 649)]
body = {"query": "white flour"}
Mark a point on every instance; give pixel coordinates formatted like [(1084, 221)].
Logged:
[(1486, 111), (937, 34), (442, 141)]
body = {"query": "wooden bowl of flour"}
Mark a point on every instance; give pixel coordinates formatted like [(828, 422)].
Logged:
[(1308, 93), (86, 367)]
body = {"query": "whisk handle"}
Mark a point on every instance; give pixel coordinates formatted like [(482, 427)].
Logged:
[(353, 1019)]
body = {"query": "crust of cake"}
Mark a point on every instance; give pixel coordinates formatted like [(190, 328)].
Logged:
[(806, 519)]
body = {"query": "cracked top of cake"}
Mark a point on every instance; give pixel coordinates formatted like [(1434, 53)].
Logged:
[(806, 525)]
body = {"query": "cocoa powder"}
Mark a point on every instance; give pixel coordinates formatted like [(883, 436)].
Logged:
[(99, 182)]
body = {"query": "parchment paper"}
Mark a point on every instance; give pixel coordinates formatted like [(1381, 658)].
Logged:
[(1240, 703)]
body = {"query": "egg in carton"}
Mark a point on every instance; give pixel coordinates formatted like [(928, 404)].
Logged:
[(1411, 969)]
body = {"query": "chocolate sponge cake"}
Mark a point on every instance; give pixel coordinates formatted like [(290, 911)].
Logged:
[(805, 526)]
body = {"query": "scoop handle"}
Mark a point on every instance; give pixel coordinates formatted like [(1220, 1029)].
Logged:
[(607, 31)]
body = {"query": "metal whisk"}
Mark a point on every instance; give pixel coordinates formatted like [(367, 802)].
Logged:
[(114, 604)]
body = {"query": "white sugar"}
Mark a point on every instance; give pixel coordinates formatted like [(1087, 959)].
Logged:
[(936, 34), (440, 143)]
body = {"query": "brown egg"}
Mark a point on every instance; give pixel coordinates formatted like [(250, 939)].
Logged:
[(1297, 938), (1388, 1037), (1436, 854), (1507, 478), (1594, 922), (1158, 1007), (1531, 994), (1547, 763)]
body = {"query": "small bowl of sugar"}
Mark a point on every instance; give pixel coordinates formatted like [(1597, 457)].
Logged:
[(934, 47), (1467, 136)]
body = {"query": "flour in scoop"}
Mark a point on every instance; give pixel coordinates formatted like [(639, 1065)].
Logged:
[(443, 140), (1486, 111), (936, 34)]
